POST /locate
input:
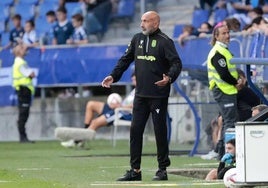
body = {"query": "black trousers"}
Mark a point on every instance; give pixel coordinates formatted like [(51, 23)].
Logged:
[(141, 111), (24, 103), (228, 109)]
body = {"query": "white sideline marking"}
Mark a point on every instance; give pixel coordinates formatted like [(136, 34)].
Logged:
[(112, 167), (155, 185), (4, 181), (202, 164), (32, 169)]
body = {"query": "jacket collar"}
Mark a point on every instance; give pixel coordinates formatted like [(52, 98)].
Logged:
[(221, 44)]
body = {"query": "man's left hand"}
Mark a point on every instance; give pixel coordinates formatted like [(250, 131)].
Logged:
[(164, 81)]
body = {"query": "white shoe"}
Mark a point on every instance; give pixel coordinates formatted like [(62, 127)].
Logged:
[(211, 155), (68, 144), (80, 144)]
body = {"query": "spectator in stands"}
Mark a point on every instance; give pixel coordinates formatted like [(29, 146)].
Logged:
[(240, 10), (16, 33), (255, 26), (233, 24), (255, 12), (246, 99), (264, 26), (98, 13), (205, 29), (105, 114), (265, 7), (227, 162), (52, 21), (240, 7), (257, 109), (63, 29), (30, 38), (207, 4), (79, 36), (188, 30)]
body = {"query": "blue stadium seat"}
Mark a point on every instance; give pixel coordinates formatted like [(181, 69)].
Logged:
[(41, 25), (125, 12), (7, 2), (4, 38), (178, 28), (73, 8), (200, 16), (220, 14), (25, 10), (2, 25), (47, 6), (33, 2), (50, 1), (126, 8), (4, 13)]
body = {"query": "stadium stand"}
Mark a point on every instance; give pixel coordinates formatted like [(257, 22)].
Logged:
[(7, 2), (220, 14), (33, 2), (4, 38), (178, 28), (72, 8), (2, 25), (4, 13), (125, 13), (26, 10), (41, 25), (200, 16), (46, 6)]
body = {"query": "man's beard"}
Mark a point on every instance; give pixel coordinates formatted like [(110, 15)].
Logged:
[(147, 32)]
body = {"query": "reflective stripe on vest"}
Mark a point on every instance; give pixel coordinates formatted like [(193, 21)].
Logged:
[(18, 78), (214, 77)]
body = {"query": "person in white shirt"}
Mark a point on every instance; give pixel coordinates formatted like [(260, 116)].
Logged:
[(30, 38)]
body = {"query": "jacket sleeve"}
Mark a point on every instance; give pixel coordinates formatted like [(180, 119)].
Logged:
[(124, 62), (174, 60), (219, 62)]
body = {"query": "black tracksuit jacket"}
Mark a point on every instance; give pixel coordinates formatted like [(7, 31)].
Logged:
[(154, 55)]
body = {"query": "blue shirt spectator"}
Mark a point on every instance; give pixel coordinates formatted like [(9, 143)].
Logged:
[(63, 29), (52, 22), (16, 33), (79, 36), (62, 32)]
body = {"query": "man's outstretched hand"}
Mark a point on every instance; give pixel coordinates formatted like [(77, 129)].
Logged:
[(107, 81)]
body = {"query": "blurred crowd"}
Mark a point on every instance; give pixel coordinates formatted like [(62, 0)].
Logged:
[(246, 16), (55, 22)]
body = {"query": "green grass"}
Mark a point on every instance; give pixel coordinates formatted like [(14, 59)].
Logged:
[(46, 164)]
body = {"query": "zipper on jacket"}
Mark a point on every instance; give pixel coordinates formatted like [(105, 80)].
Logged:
[(147, 44)]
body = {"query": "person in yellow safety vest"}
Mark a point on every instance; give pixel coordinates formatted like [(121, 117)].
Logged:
[(22, 82), (223, 80)]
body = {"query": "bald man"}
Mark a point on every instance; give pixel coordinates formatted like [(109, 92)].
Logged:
[(157, 65), (22, 82)]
